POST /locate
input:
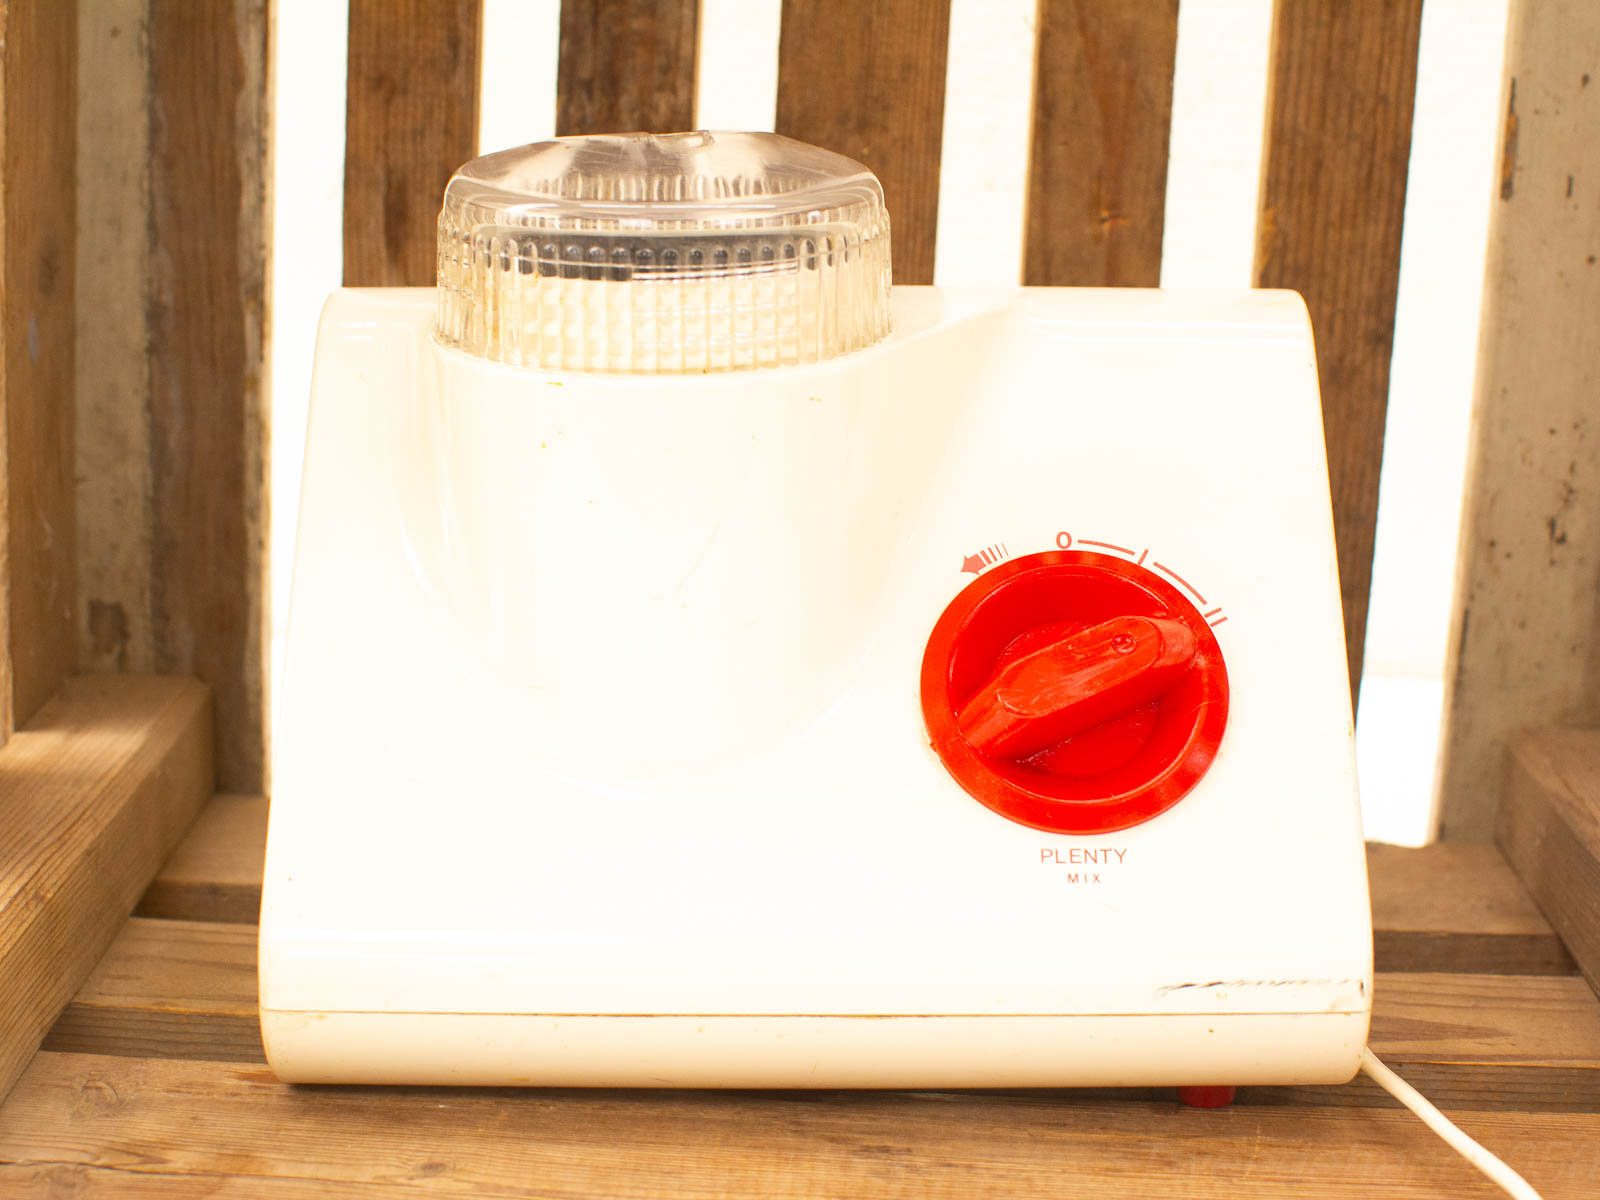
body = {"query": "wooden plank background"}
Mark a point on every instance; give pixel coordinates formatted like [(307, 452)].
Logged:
[(1102, 117), (1527, 626), (1332, 200), (627, 66), (411, 118), (39, 317), (113, 338), (185, 590), (6, 335), (208, 427), (867, 80)]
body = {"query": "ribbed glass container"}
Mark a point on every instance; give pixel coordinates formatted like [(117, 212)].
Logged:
[(673, 253)]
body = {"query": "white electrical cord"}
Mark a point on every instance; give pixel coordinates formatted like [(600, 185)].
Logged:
[(1509, 1180)]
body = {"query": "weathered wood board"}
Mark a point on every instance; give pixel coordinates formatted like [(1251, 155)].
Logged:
[(411, 118), (1097, 183), (867, 80), (1549, 828), (1527, 625), (96, 791), (1333, 197), (627, 66), (38, 559), (208, 423)]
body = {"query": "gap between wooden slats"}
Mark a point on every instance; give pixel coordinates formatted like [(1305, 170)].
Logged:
[(867, 80), (1332, 201), (517, 84), (984, 147), (411, 119)]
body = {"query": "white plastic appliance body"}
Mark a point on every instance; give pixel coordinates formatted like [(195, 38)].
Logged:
[(600, 757)]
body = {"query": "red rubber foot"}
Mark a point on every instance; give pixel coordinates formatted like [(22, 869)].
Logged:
[(1206, 1096)]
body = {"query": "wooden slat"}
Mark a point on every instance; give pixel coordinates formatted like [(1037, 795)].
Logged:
[(1549, 827), (5, 551), (1457, 907), (1527, 637), (168, 989), (36, 332), (1535, 1020), (626, 66), (112, 436), (1500, 1043), (6, 715), (1097, 182), (867, 80), (1332, 199), (411, 119), (187, 989), (79, 1180), (143, 1119), (215, 873), (207, 425), (96, 791), (1494, 1050)]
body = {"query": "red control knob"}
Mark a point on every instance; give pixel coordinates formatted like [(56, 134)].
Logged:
[(1074, 692)]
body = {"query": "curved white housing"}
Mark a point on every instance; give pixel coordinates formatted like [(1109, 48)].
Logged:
[(600, 757)]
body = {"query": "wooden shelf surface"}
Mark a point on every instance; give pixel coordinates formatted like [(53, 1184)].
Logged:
[(95, 792), (152, 1083)]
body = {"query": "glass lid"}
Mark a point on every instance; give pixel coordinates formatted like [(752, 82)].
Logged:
[(663, 253)]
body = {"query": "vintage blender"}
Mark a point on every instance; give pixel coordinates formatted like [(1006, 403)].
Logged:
[(711, 666)]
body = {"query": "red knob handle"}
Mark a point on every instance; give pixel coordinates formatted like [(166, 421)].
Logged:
[(1074, 692), (1075, 684)]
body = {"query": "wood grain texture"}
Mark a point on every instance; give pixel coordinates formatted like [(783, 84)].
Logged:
[(76, 1179), (215, 873), (1527, 623), (1457, 907), (1549, 828), (1477, 1043), (208, 232), (6, 716), (37, 316), (1333, 195), (626, 66), (187, 989), (1515, 1060), (1097, 180), (867, 81), (168, 989), (99, 1121), (97, 790), (411, 118), (112, 439), (1536, 1020)]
